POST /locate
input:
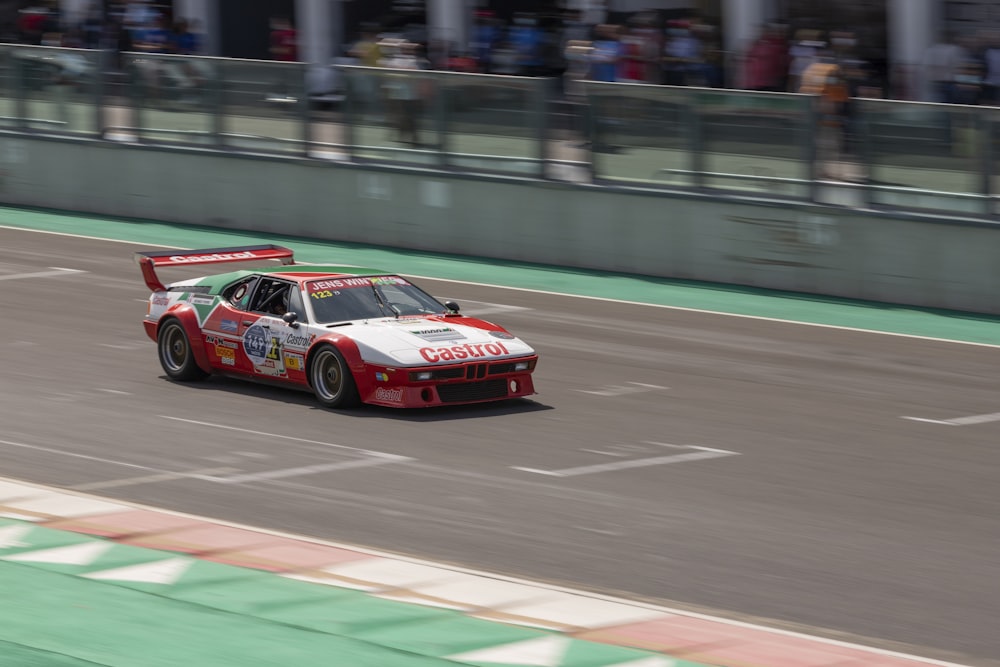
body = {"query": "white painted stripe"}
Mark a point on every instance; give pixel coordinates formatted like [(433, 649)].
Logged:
[(369, 452), (391, 572), (86, 457), (74, 554), (581, 611), (706, 453), (398, 558), (10, 490), (150, 479), (304, 470), (40, 274), (539, 652), (960, 421), (164, 572), (10, 536), (65, 505), (581, 296), (475, 591), (975, 419)]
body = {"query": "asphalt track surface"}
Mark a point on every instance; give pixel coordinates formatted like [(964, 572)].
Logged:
[(755, 469)]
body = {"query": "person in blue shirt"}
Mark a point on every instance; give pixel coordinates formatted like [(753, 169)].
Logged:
[(606, 54)]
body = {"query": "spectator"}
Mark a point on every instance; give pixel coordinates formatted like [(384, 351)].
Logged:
[(682, 54), (486, 35), (606, 54), (526, 38), (802, 53), (140, 15), (825, 79), (991, 63), (92, 28), (941, 63), (284, 40), (404, 92), (766, 62), (367, 49), (284, 48), (367, 52)]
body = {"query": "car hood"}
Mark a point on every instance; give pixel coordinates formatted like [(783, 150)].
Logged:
[(417, 341)]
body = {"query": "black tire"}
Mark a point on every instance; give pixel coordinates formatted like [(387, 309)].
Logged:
[(331, 379), (176, 356)]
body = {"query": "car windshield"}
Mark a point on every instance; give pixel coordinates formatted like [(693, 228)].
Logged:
[(344, 299)]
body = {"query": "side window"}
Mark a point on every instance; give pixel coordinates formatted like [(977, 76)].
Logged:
[(295, 303), (271, 297), (239, 293)]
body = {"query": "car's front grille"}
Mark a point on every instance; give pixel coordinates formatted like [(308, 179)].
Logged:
[(472, 391)]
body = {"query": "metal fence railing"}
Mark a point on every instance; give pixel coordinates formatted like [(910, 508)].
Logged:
[(893, 154)]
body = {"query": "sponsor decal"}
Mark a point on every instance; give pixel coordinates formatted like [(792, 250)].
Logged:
[(467, 351), (228, 325), (394, 395), (388, 280), (218, 341), (240, 292), (503, 335), (214, 257), (295, 340), (382, 377), (293, 362), (338, 283), (227, 355), (257, 343), (160, 300), (442, 333), (202, 300)]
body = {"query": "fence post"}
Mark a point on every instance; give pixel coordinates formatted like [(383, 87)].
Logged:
[(985, 130), (867, 153), (440, 90), (811, 129), (218, 102), (540, 112), (697, 141), (20, 92), (305, 113)]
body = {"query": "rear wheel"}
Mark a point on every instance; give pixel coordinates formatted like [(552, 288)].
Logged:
[(176, 355), (331, 379)]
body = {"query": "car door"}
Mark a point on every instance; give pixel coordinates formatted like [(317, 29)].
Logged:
[(223, 342), (263, 332)]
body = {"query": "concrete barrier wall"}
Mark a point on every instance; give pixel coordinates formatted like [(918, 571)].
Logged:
[(807, 248)]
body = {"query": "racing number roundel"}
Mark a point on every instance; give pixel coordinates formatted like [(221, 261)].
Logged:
[(256, 343)]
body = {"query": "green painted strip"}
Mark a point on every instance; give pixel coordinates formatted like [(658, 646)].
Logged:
[(950, 325), (216, 615)]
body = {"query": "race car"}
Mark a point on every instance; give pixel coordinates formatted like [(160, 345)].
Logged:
[(349, 335)]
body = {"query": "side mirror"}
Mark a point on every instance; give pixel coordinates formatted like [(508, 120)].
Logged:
[(452, 306), (291, 319)]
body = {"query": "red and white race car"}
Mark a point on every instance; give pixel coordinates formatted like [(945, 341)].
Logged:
[(349, 335)]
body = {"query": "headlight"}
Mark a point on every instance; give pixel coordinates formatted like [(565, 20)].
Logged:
[(422, 375), (522, 365)]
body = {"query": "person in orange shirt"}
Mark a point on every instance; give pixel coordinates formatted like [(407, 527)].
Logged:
[(825, 79)]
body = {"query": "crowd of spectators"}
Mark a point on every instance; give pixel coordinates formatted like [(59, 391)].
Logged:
[(135, 25), (644, 48)]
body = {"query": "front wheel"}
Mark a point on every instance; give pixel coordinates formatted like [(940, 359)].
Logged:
[(331, 379), (176, 355)]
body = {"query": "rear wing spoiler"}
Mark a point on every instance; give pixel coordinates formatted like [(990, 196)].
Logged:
[(149, 261)]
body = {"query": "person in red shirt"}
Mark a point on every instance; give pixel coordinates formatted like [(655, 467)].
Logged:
[(284, 48), (284, 41), (767, 61)]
